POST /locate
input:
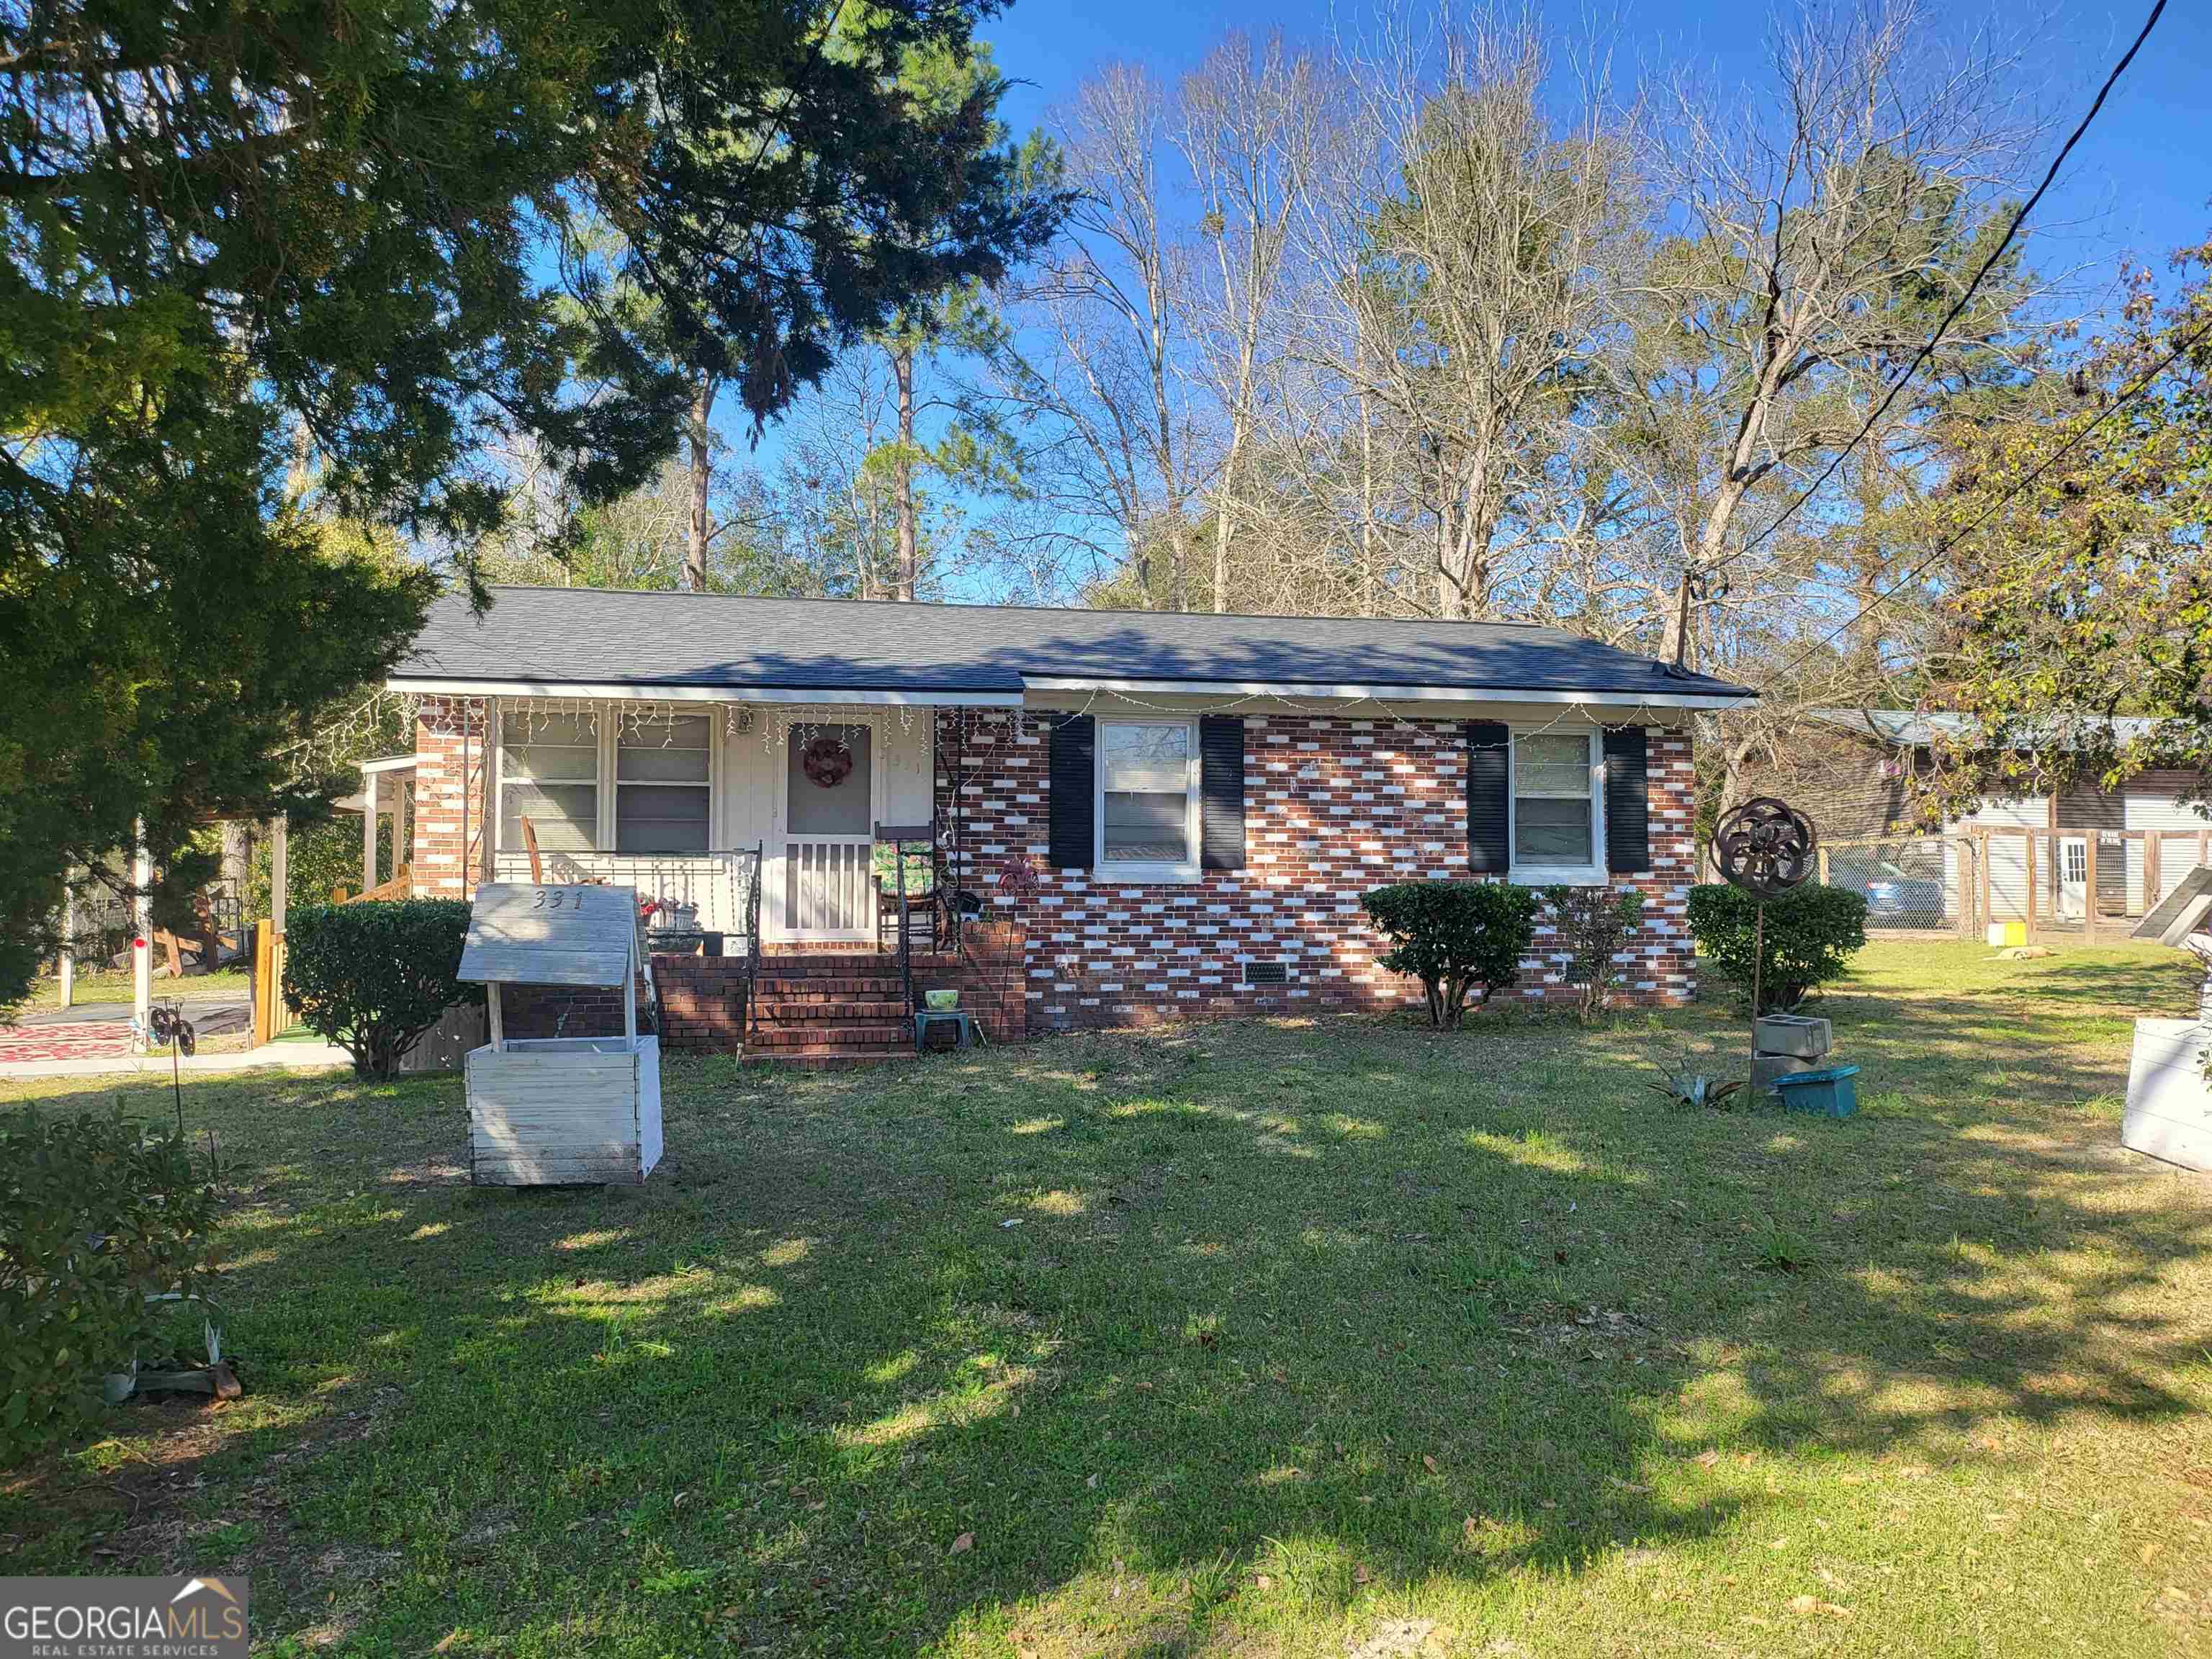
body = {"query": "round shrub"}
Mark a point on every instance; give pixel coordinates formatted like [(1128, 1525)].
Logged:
[(374, 977), (96, 1216), (1456, 937), (1810, 935)]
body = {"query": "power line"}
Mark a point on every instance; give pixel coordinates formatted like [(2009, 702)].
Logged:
[(1959, 307), (2180, 348)]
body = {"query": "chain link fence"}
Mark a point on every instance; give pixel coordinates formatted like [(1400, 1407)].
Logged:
[(1918, 883)]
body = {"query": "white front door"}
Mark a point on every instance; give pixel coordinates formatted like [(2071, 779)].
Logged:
[(831, 780), (2072, 877)]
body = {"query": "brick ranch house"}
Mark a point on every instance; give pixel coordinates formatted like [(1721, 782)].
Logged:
[(1202, 799)]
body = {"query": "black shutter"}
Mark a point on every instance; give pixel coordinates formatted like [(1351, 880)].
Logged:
[(1073, 791), (1627, 803), (1221, 792), (1489, 765)]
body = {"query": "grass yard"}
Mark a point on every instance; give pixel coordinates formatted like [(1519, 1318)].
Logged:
[(1327, 1340)]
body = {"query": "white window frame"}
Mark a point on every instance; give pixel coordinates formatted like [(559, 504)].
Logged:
[(1593, 874), (1147, 870), (606, 737), (496, 766), (611, 762)]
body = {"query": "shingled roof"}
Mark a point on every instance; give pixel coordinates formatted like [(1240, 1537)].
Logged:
[(547, 637)]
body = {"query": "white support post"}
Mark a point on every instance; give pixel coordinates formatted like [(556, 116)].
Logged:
[(280, 870), (629, 994), (141, 939), (498, 1031), (69, 947), (487, 866), (368, 782)]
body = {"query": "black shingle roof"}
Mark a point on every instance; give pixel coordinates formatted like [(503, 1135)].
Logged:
[(599, 637)]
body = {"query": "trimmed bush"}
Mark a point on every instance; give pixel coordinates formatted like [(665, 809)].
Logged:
[(374, 976), (1593, 925), (1811, 934), (95, 1216), (1456, 937)]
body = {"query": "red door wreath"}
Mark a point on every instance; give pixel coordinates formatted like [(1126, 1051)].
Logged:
[(826, 761)]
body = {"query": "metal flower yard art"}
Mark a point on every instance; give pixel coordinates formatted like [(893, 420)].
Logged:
[(1766, 848)]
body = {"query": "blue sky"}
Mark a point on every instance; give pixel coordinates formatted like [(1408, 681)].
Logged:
[(2139, 179)]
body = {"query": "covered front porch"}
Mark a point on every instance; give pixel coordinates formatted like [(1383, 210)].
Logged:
[(718, 811), (752, 829)]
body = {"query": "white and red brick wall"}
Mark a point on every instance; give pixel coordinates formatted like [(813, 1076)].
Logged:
[(444, 728), (1333, 806)]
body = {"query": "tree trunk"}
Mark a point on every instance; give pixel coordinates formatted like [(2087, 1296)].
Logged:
[(1223, 508), (695, 540), (902, 477), (1367, 582)]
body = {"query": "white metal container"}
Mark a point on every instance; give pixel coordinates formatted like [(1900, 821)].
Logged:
[(557, 1111)]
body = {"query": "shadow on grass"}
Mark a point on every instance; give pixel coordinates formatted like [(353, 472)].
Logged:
[(1112, 1326)]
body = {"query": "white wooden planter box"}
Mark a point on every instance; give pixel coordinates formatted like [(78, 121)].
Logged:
[(558, 1111), (2169, 1107)]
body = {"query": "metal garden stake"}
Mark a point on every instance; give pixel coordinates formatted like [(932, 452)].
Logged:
[(1766, 846)]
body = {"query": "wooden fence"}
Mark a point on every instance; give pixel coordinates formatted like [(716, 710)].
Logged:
[(2092, 884)]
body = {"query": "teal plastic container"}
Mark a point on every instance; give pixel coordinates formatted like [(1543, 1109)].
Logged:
[(1826, 1093)]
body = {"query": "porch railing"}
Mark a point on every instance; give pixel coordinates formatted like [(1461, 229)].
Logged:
[(722, 888)]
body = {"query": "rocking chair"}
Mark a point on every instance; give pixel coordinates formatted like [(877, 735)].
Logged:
[(907, 881)]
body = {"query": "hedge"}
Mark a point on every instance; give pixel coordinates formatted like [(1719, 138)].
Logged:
[(96, 1215), (1811, 933), (374, 976), (1456, 937)]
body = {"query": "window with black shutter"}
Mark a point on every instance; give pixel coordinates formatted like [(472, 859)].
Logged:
[(1073, 772), (1221, 792)]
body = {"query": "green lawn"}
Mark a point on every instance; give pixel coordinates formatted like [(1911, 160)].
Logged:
[(1327, 1340)]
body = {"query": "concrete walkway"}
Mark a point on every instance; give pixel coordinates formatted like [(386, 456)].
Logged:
[(308, 1056)]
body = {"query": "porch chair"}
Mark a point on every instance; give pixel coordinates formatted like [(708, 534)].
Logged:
[(910, 849)]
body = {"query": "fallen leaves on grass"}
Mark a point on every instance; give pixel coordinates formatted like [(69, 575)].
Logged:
[(963, 1544)]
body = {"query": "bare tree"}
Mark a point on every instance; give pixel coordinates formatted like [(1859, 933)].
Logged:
[(1856, 174), (1250, 124), (1479, 209), (1090, 380)]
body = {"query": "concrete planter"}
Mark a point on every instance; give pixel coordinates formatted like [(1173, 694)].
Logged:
[(1766, 1070), (1793, 1034)]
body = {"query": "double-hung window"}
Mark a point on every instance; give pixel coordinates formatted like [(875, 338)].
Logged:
[(549, 773), (606, 782), (663, 784), (1557, 804), (1147, 807)]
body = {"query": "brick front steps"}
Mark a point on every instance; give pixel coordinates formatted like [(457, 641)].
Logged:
[(822, 1011)]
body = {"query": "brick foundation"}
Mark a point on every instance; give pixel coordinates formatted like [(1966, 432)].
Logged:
[(1332, 807), (702, 1003), (703, 1006)]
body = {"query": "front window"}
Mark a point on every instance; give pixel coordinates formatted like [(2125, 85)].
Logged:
[(1556, 777), (549, 773), (662, 786), (1147, 797)]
